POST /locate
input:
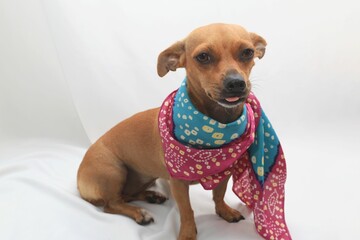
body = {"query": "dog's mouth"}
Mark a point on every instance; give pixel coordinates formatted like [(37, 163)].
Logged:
[(231, 101)]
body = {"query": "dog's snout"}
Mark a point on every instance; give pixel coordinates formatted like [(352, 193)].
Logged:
[(234, 83)]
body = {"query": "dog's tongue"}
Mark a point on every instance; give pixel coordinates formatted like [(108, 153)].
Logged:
[(232, 99)]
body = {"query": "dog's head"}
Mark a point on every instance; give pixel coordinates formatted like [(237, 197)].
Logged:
[(218, 59)]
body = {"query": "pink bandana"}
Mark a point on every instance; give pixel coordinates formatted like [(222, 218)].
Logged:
[(211, 166)]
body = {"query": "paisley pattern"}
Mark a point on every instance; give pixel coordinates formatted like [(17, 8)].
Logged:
[(259, 184)]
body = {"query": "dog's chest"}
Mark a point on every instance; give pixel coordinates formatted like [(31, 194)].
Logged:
[(193, 128)]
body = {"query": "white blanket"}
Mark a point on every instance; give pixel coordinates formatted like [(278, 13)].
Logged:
[(40, 201), (70, 70)]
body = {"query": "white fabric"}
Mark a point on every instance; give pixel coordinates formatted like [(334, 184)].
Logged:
[(70, 70)]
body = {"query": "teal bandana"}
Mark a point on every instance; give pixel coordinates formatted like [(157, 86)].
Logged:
[(263, 158), (193, 128)]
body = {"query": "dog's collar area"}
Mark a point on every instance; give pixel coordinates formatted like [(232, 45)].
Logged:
[(191, 127)]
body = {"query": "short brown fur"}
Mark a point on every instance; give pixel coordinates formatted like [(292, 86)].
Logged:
[(126, 160)]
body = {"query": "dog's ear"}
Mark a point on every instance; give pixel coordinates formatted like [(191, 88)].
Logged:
[(259, 43), (171, 58)]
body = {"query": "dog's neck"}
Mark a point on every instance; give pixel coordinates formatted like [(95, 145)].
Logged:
[(209, 107)]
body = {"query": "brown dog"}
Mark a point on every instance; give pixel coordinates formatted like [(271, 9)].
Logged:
[(124, 162)]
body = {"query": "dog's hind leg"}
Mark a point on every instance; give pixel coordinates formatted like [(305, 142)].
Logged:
[(150, 197), (102, 177), (136, 189), (116, 200), (116, 195), (140, 215)]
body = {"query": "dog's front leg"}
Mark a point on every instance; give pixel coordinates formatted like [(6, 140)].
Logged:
[(180, 191), (222, 209)]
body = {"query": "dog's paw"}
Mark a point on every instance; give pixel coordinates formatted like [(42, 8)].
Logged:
[(144, 218), (155, 197), (229, 214), (187, 233)]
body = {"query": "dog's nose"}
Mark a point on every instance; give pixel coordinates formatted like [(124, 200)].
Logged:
[(234, 83)]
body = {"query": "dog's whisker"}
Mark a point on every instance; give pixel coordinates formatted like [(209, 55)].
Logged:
[(256, 83)]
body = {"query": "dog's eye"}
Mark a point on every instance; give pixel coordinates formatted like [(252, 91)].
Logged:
[(203, 58), (247, 54)]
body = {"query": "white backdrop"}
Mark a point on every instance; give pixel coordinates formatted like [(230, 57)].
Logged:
[(70, 70)]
